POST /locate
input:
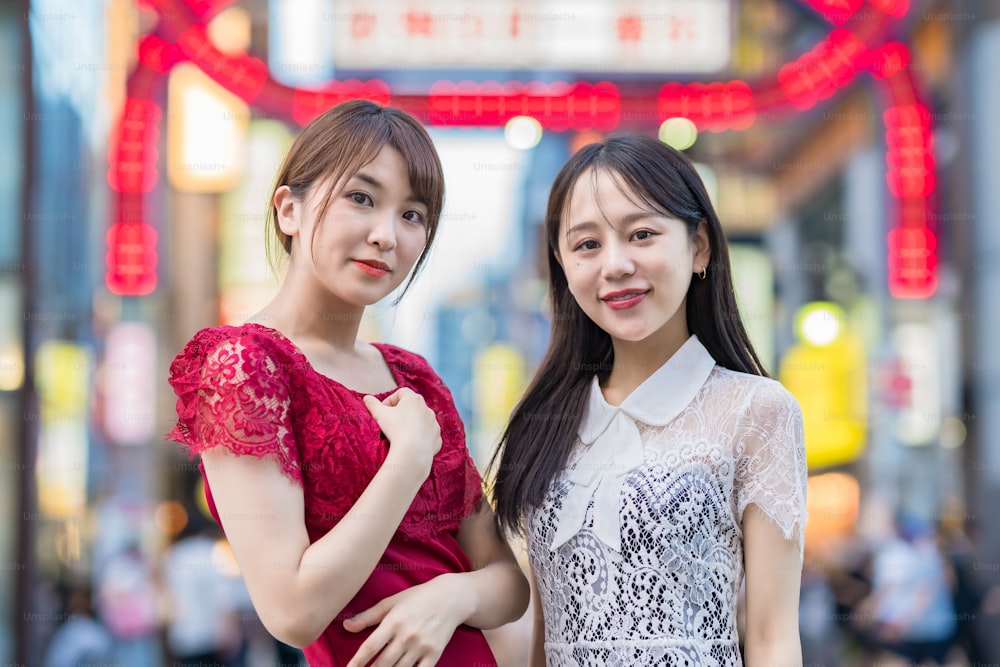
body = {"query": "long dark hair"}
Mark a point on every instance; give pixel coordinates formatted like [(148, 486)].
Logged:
[(339, 142), (543, 426)]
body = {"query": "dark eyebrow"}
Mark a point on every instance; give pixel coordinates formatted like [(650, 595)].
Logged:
[(375, 183), (370, 180), (625, 221), (580, 226)]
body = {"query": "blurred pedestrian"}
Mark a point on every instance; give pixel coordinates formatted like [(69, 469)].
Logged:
[(651, 462), (128, 605), (203, 623), (849, 573), (968, 593), (80, 639), (911, 608), (822, 642)]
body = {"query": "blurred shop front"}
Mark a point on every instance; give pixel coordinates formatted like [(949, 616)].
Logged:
[(826, 131)]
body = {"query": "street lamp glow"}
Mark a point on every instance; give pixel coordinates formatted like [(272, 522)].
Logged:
[(819, 322), (522, 132)]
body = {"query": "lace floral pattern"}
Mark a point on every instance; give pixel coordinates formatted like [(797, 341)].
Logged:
[(669, 596), (250, 390)]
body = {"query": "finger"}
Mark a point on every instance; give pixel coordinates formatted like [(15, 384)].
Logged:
[(370, 648), (392, 656), (395, 397), (418, 653), (370, 616), (429, 660), (371, 403)]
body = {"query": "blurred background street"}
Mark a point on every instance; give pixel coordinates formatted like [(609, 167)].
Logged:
[(852, 150)]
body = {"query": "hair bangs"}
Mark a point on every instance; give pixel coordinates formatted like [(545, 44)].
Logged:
[(662, 191)]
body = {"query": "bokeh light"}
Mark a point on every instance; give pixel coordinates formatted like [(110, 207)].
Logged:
[(679, 133), (522, 132)]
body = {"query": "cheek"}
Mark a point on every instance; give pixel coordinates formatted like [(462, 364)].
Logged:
[(583, 270), (412, 242), (577, 277), (572, 271)]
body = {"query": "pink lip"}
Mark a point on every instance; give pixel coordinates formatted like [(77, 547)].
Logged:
[(624, 299), (372, 267)]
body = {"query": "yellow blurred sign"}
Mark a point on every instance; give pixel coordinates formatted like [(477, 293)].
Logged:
[(62, 376), (498, 378), (830, 384)]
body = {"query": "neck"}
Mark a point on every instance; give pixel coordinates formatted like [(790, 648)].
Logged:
[(635, 361), (307, 315)]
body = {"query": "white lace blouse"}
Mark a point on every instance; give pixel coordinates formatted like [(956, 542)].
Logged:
[(638, 546)]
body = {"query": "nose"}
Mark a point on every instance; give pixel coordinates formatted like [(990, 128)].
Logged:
[(382, 233), (617, 262)]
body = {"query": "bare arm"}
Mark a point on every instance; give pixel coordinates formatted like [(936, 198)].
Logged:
[(415, 625), (773, 576), (498, 590), (536, 658), (298, 588)]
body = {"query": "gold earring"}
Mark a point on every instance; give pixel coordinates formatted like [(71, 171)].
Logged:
[(703, 272)]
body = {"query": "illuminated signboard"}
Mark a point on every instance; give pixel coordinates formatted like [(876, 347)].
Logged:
[(392, 36), (640, 36), (128, 383)]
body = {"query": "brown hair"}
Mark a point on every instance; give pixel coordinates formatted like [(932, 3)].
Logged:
[(339, 142)]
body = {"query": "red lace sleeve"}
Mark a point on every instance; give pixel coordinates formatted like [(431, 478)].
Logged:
[(232, 392), (473, 486)]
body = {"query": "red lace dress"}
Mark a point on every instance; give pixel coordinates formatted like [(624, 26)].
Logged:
[(249, 389)]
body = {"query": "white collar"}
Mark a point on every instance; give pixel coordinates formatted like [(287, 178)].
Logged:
[(614, 447), (660, 397)]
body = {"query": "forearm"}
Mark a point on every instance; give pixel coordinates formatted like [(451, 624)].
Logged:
[(536, 656), (773, 563), (334, 568), (784, 651), (497, 594)]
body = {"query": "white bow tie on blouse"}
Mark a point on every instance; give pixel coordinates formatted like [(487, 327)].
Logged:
[(613, 445)]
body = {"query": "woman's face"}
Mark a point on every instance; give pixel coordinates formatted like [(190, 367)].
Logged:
[(629, 269), (370, 236)]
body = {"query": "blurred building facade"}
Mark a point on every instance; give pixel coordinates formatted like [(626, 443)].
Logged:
[(14, 91), (849, 147)]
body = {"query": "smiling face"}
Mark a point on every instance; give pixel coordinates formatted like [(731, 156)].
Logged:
[(371, 233), (628, 267)]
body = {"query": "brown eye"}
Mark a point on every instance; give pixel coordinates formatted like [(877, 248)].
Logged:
[(415, 217)]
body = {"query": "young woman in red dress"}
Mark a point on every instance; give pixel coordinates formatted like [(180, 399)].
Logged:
[(338, 468)]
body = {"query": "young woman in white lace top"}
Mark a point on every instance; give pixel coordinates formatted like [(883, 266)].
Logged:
[(652, 463)]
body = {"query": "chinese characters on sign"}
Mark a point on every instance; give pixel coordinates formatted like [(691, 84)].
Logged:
[(654, 36)]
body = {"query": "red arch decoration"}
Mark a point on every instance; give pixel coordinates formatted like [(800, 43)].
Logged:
[(854, 47)]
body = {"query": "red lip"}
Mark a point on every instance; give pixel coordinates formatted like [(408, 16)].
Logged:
[(623, 299), (372, 267), (623, 293)]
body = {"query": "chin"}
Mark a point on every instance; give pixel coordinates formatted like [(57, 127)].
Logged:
[(630, 335), (365, 295)]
